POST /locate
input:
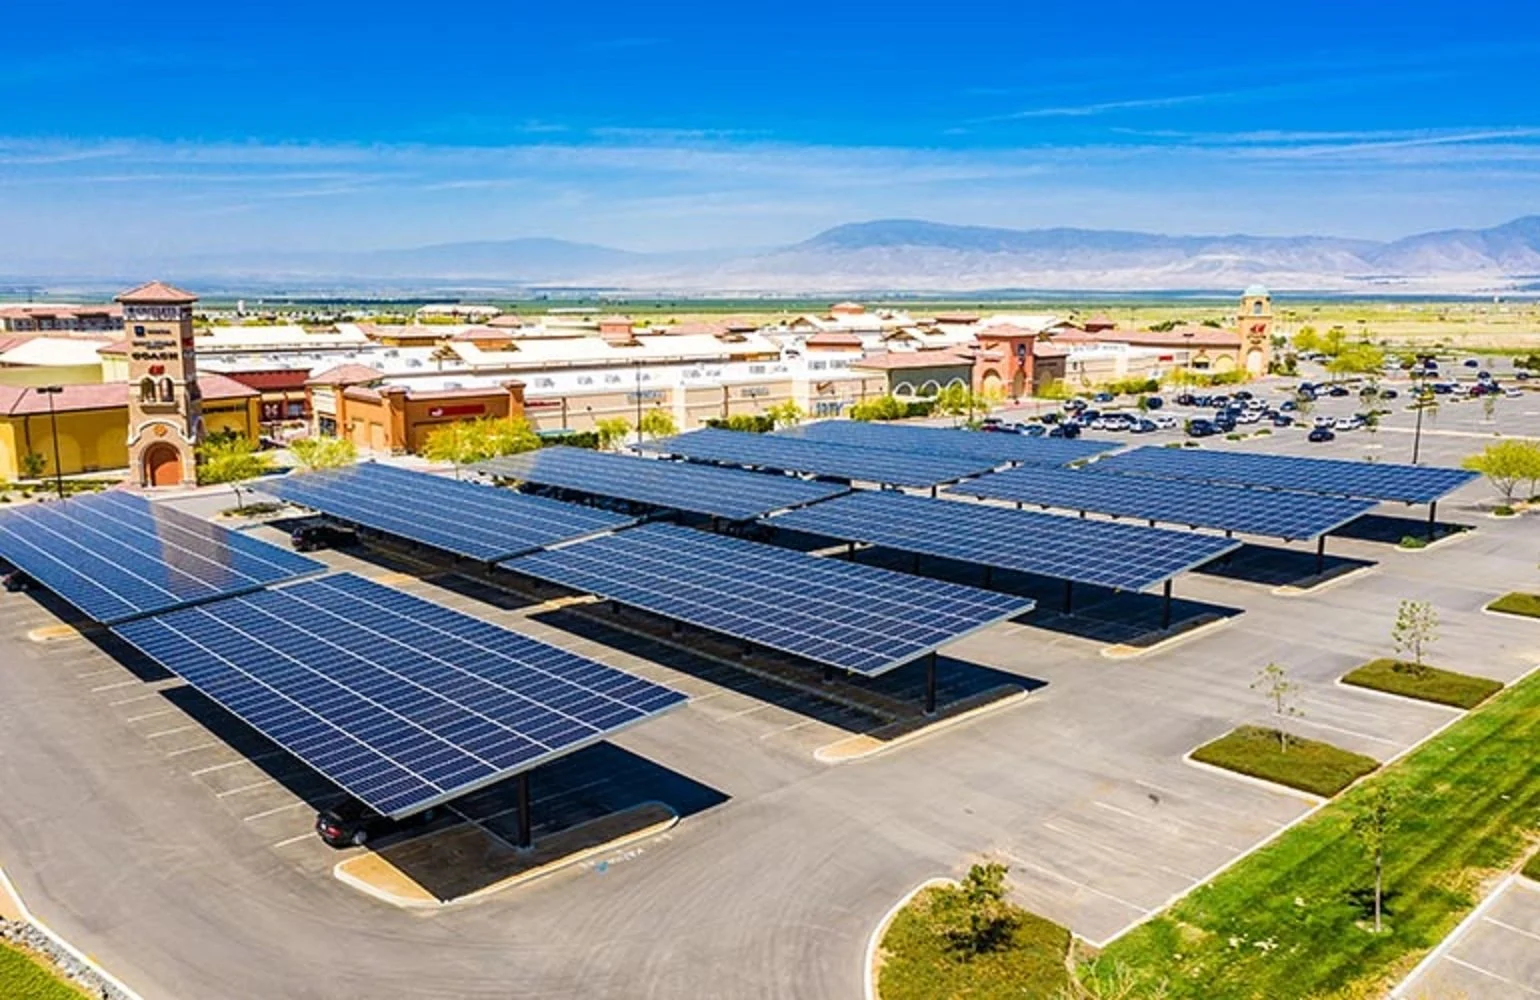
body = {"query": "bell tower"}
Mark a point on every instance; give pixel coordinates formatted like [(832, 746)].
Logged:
[(1256, 329), (165, 412)]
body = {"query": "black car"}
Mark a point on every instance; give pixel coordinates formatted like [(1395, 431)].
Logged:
[(1186, 399), (350, 823), (1201, 428), (1065, 430), (1153, 402), (1338, 391), (17, 581), (1388, 394), (1049, 417), (1320, 434), (311, 537)]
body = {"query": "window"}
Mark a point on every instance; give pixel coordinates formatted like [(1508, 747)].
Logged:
[(756, 369), (1256, 308), (147, 390), (167, 391), (817, 366), (585, 380), (544, 383)]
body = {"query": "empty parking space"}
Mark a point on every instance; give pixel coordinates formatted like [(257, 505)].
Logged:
[(1494, 955)]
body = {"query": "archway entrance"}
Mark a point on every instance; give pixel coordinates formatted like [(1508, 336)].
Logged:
[(162, 466), (1254, 363)]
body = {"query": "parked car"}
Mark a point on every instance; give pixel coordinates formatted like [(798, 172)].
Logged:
[(1034, 430), (350, 823), (1065, 430), (17, 581), (1143, 427), (1165, 421), (1154, 402), (1244, 394), (311, 537), (1522, 376), (1288, 406), (1388, 394), (1348, 423), (1337, 391), (1102, 397), (1320, 434), (1283, 420), (1201, 428), (1186, 399), (1049, 418), (1472, 363), (1442, 388), (1513, 393)]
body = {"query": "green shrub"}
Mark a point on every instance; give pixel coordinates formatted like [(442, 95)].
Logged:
[(1517, 603), (1413, 542), (1532, 869), (752, 423), (1309, 765), (1503, 510), (1425, 683)]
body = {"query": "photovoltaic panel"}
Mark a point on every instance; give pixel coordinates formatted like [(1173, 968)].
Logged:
[(465, 519), (1327, 476), (856, 618), (867, 465), (997, 448), (115, 555), (1293, 516), (400, 702), (701, 489), (1124, 556)]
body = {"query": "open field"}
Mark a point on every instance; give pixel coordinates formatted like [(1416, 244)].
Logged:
[(1428, 683), (1292, 919)]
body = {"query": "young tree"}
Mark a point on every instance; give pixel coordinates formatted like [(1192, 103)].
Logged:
[(1506, 464), (1374, 820), (500, 436), (33, 465), (611, 431), (1304, 405), (233, 460), (975, 915), (955, 400), (454, 443), (1273, 681), (1334, 340), (658, 422), (787, 414), (1416, 628), (1488, 406), (323, 453)]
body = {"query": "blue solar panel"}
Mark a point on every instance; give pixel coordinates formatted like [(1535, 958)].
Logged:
[(402, 703), (728, 493), (1197, 505), (867, 465), (480, 522), (1327, 476), (1124, 556), (994, 447), (856, 618), (115, 555)]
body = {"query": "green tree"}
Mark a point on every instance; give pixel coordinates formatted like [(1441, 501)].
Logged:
[(786, 414), (975, 915), (611, 431), (658, 422), (233, 460), (887, 407), (452, 443), (1307, 340), (323, 452), (1507, 464), (1489, 406), (1374, 820), (1415, 629), (1333, 342), (506, 436), (1273, 681), (1356, 359), (957, 399), (33, 465)]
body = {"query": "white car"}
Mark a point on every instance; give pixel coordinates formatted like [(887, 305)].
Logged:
[(1347, 423), (1513, 393), (1166, 422)]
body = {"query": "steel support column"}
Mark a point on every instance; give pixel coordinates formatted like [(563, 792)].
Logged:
[(525, 836), (930, 684)]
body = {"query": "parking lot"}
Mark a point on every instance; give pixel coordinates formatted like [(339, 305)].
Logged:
[(1494, 955), (177, 846)]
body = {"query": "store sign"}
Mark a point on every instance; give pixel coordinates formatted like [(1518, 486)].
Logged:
[(463, 410)]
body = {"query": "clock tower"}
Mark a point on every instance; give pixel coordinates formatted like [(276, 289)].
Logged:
[(1256, 330), (165, 413)]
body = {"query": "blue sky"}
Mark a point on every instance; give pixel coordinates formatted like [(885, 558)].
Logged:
[(218, 127)]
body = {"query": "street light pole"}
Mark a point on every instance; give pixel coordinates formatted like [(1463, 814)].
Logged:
[(53, 425), (638, 365)]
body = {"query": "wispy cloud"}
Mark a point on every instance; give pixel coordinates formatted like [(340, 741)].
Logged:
[(1103, 107)]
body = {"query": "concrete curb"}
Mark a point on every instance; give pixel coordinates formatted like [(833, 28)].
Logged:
[(9, 890), (874, 943), (1315, 800), (1289, 590), (863, 746), (1123, 651), (1339, 682)]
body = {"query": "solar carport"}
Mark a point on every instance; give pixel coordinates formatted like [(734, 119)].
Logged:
[(997, 448), (729, 494), (1119, 556), (858, 619)]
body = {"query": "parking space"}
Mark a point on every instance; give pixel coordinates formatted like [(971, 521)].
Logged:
[(1493, 955)]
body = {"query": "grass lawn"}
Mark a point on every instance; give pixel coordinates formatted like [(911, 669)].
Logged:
[(918, 963), (23, 978), (1310, 766), (1429, 683), (1532, 868), (1517, 603), (1292, 920)]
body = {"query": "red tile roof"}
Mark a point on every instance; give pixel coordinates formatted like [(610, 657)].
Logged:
[(18, 401), (215, 386), (1043, 349), (157, 293), (834, 338), (1182, 336), (1002, 330), (346, 375), (892, 360), (116, 347)]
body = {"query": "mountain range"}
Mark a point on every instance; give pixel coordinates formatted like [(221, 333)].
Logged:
[(899, 255)]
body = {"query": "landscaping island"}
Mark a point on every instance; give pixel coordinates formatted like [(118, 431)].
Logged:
[(1517, 603), (1423, 683), (1308, 765)]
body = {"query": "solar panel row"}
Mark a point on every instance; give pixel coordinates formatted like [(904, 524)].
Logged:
[(465, 519), (115, 555), (1123, 556), (867, 465), (856, 618), (1286, 515), (994, 447), (400, 702), (727, 493), (1327, 476)]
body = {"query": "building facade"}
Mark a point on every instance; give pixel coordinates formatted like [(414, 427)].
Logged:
[(165, 412)]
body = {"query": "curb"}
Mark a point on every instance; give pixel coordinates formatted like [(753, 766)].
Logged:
[(831, 753), (873, 943), (9, 889), (1406, 698), (1315, 801), (1452, 938), (1123, 651)]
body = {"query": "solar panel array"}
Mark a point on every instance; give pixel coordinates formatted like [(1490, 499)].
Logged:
[(995, 447), (1124, 556), (400, 702), (115, 555), (1197, 505), (868, 465), (465, 519), (728, 493), (857, 618), (1327, 476)]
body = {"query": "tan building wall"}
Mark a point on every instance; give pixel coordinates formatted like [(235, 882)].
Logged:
[(52, 375)]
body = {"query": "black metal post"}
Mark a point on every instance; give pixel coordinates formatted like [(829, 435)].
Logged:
[(53, 426), (1165, 611), (1432, 519), (850, 552), (1417, 435), (930, 684), (933, 492), (1018, 504), (1069, 596), (828, 674), (989, 575), (1320, 555), (638, 402), (914, 563), (525, 836)]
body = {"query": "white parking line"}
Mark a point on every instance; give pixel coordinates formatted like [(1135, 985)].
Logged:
[(130, 701), (1510, 927), (276, 810), (1491, 975), (1115, 852), (245, 788), (168, 732), (294, 840), (200, 746), (120, 684), (1080, 885), (1159, 821), (99, 673), (217, 767), (150, 715), (1348, 732)]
